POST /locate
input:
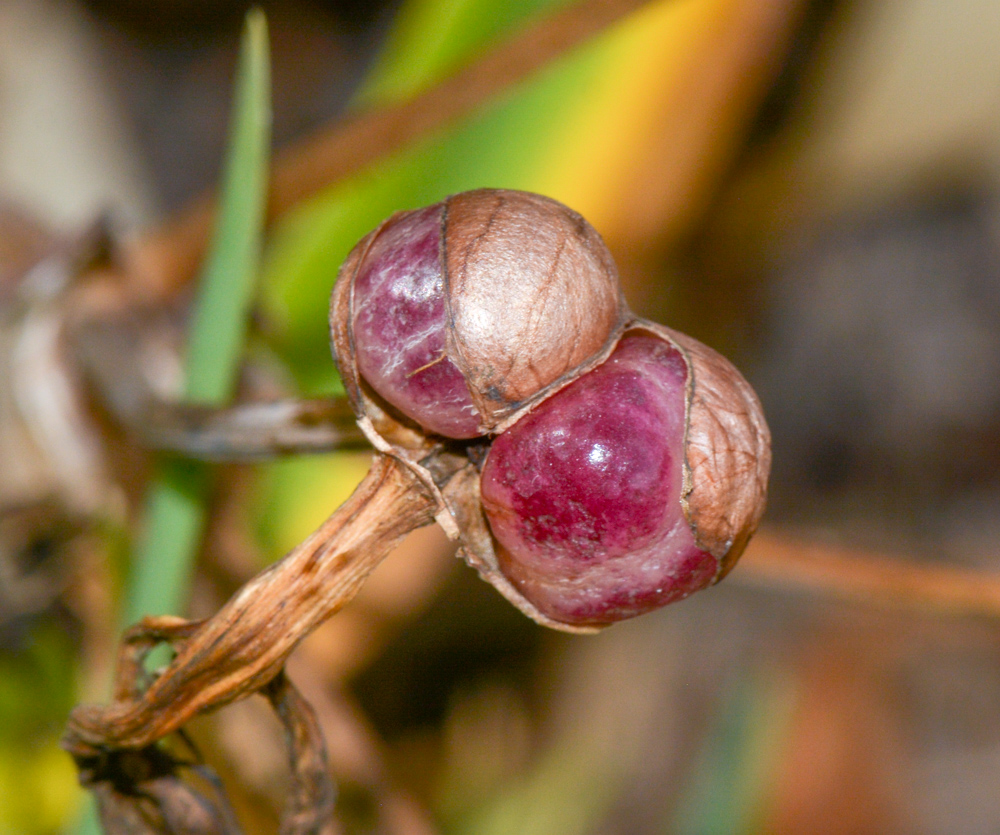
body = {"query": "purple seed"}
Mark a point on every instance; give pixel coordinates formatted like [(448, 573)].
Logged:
[(583, 494), (399, 321)]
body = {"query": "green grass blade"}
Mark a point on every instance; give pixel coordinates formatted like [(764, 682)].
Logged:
[(173, 522), (175, 506), (174, 514), (728, 788), (227, 287)]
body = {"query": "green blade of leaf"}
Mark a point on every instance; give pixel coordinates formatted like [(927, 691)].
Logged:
[(173, 521), (226, 291), (728, 788), (175, 512)]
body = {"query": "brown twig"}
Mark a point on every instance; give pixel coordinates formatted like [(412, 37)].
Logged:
[(249, 431), (119, 355), (167, 259), (355, 754), (143, 791), (244, 646), (779, 560), (309, 806)]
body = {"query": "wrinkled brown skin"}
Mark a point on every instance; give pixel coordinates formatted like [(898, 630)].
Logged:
[(558, 306), (727, 451)]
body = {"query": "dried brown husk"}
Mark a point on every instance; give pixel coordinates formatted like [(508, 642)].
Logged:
[(727, 450), (727, 460), (557, 308), (559, 315)]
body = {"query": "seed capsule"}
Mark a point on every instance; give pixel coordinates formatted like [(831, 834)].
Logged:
[(599, 500), (459, 314), (630, 463)]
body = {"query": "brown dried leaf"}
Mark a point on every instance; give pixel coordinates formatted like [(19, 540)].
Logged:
[(309, 806), (142, 793)]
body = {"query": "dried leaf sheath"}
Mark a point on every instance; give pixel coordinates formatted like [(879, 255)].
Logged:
[(247, 642), (144, 791)]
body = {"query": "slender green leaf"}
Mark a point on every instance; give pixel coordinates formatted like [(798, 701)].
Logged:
[(228, 284), (174, 516), (175, 509), (728, 788)]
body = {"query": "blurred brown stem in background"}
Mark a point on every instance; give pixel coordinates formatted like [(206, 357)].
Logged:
[(778, 560), (166, 260)]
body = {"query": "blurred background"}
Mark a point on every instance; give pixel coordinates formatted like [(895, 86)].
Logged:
[(810, 186)]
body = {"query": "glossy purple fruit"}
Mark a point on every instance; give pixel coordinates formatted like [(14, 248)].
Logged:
[(461, 315), (400, 326), (583, 494)]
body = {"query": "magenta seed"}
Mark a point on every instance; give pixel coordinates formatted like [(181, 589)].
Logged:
[(399, 321), (583, 493)]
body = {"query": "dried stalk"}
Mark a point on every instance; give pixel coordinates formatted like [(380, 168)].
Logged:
[(309, 807), (776, 559), (248, 431), (245, 645), (355, 750), (169, 258), (119, 355)]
